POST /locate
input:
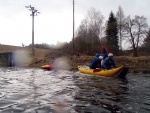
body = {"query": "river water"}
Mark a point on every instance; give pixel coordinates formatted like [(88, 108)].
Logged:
[(33, 90)]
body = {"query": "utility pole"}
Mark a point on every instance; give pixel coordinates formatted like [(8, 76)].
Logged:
[(34, 12), (73, 26)]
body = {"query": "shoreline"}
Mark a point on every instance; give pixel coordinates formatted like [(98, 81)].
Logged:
[(139, 64), (136, 64)]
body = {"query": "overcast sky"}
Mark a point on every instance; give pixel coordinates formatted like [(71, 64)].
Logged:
[(54, 23)]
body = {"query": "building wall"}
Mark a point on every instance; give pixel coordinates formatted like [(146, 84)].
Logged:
[(6, 59)]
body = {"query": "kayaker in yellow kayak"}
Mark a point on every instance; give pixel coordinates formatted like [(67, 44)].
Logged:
[(109, 62), (96, 62), (104, 52)]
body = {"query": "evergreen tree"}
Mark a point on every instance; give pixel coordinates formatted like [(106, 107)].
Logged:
[(147, 40), (112, 34), (147, 43)]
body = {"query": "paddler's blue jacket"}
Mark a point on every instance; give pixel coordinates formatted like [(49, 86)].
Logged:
[(96, 63), (108, 63), (104, 55)]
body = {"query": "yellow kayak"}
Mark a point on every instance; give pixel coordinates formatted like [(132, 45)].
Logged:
[(119, 71)]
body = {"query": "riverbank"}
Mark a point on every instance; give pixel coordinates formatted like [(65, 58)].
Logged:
[(135, 64), (45, 56)]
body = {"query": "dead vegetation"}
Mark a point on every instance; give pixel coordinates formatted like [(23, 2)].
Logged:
[(45, 56)]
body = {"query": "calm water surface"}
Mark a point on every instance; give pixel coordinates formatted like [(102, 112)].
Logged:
[(26, 90)]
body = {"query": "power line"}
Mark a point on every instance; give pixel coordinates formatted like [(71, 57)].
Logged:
[(34, 12)]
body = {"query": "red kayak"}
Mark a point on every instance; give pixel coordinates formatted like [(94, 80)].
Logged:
[(47, 67), (56, 65)]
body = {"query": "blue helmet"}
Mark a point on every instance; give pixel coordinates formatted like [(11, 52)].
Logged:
[(97, 55), (102, 54)]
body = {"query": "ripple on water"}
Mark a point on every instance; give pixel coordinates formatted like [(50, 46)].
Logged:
[(32, 90)]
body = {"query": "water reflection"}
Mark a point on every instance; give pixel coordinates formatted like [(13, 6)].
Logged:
[(31, 90), (101, 92), (35, 90)]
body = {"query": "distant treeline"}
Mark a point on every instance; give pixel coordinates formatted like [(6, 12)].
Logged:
[(120, 34), (42, 46)]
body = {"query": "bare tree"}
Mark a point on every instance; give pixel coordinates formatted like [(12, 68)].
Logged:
[(90, 31), (81, 39), (136, 30), (95, 20), (120, 20)]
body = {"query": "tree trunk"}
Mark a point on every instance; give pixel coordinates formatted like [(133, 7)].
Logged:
[(135, 53)]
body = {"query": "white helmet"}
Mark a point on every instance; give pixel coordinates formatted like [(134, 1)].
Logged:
[(110, 54), (100, 57)]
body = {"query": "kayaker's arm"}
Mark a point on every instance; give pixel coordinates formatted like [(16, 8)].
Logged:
[(114, 64)]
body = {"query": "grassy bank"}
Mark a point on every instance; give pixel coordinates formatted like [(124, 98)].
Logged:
[(135, 64), (44, 56)]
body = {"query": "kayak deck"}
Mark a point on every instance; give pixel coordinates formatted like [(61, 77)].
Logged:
[(119, 71)]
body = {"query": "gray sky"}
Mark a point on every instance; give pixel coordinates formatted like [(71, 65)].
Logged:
[(55, 21)]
